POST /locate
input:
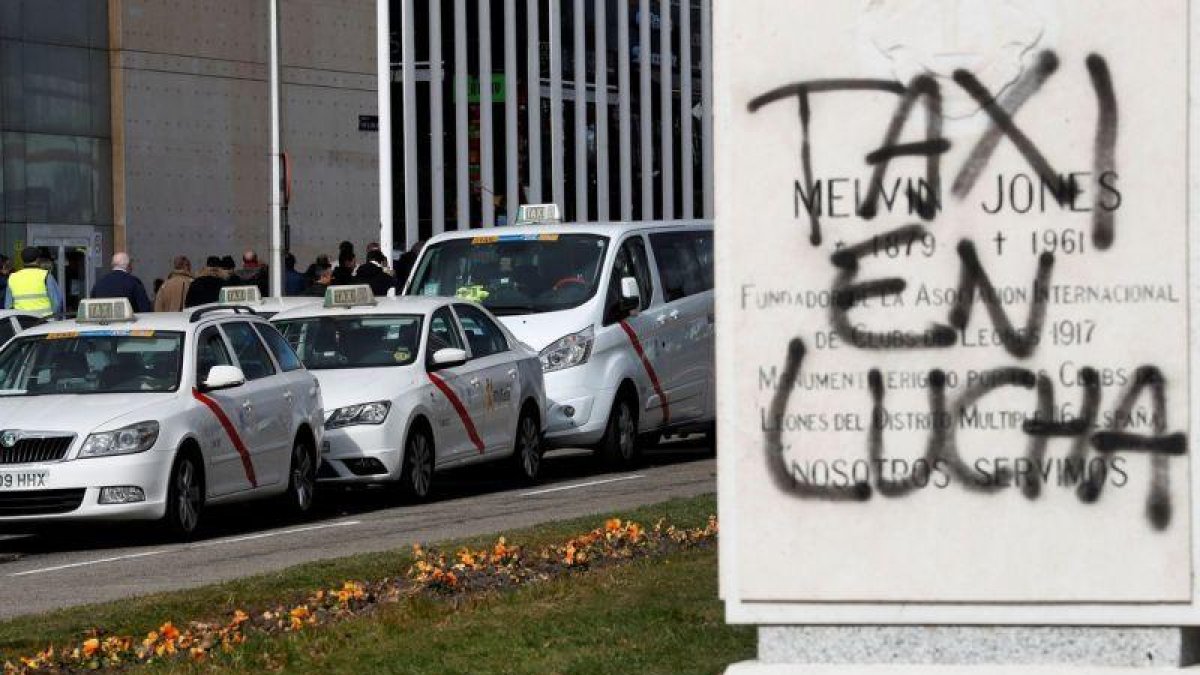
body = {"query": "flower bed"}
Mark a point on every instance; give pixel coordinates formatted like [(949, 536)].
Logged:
[(434, 573)]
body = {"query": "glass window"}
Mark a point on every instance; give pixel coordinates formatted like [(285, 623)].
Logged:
[(29, 321), (210, 351), (514, 274), (6, 330), (631, 261), (484, 336), (97, 363), (678, 258), (443, 332), (371, 341), (284, 354), (252, 356)]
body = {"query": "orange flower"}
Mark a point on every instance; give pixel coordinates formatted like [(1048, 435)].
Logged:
[(91, 646), (612, 524), (240, 617), (169, 631), (197, 654)]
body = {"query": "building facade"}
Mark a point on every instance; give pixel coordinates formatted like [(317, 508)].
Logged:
[(143, 125)]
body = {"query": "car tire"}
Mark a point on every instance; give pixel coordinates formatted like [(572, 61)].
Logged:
[(185, 497), (619, 446), (527, 449), (416, 476), (302, 479)]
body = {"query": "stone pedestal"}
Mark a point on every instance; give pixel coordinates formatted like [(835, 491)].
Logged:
[(876, 650)]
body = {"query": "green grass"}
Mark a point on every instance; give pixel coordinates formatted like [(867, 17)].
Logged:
[(657, 615)]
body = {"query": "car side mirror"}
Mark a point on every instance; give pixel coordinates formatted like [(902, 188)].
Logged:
[(449, 358), (224, 377), (631, 294)]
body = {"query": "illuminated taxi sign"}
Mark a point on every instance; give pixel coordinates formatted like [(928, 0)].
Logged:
[(535, 214), (240, 295), (349, 296), (105, 310)]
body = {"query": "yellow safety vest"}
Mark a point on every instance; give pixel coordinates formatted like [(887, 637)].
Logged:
[(29, 292)]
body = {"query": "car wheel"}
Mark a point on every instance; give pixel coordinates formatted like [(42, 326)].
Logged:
[(185, 497), (416, 479), (527, 449), (302, 479), (619, 447)]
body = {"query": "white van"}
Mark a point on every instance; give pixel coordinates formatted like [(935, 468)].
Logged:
[(621, 315)]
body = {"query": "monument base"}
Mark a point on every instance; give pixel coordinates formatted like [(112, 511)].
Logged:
[(941, 650)]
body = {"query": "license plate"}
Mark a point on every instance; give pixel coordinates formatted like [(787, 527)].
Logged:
[(24, 480)]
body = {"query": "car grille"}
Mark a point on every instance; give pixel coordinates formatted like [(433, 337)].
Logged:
[(40, 502), (36, 449)]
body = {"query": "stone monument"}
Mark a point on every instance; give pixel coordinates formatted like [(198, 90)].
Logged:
[(955, 332)]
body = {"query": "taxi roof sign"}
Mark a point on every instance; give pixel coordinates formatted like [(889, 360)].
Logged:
[(105, 310), (349, 296), (537, 214), (240, 295)]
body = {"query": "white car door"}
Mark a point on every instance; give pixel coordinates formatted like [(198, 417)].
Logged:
[(266, 412), (642, 331), (228, 466), (451, 394), (495, 376)]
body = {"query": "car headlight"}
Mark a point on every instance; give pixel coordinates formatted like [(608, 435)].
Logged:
[(568, 351), (128, 440), (363, 413)]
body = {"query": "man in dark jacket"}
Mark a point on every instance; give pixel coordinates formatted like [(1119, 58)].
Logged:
[(253, 273), (294, 283), (120, 283), (343, 274), (375, 275), (206, 289)]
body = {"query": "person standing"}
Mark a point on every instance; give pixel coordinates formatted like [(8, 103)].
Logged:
[(5, 271), (406, 261), (173, 294), (206, 289), (294, 283), (343, 274), (32, 289), (253, 273), (120, 283), (374, 274)]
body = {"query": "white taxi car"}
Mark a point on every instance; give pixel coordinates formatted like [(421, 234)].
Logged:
[(115, 416), (416, 385), (13, 321)]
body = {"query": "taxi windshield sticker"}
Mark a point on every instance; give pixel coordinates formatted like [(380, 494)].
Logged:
[(67, 335), (493, 239), (401, 355)]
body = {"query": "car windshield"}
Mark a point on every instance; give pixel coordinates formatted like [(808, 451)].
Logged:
[(99, 362), (373, 341), (514, 274)]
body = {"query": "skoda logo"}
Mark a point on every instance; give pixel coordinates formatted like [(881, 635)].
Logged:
[(9, 439)]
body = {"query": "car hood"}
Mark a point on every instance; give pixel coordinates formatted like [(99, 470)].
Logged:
[(79, 413), (351, 386), (540, 330)]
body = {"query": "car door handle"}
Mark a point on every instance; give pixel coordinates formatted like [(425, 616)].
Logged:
[(674, 314), (247, 406), (288, 396), (475, 382), (513, 373)]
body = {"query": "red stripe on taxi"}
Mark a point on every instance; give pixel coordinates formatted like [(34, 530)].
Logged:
[(232, 432), (637, 347), (460, 409)]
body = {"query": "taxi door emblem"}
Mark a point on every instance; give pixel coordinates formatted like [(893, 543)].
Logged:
[(9, 439)]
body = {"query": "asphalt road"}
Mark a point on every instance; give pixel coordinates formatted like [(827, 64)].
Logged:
[(77, 566)]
